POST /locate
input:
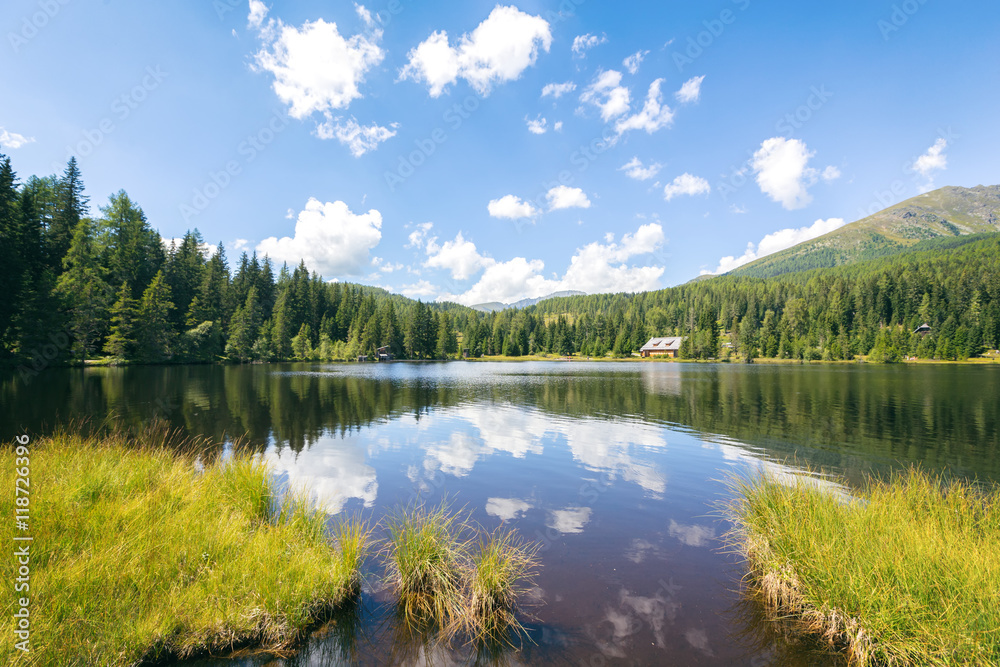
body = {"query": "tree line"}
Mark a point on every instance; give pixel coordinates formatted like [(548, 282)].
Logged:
[(75, 286)]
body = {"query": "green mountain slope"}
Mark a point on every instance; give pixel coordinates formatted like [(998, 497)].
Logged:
[(923, 221)]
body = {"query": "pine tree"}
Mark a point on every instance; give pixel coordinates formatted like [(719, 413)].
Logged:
[(84, 290), (123, 340), (71, 207), (156, 335), (245, 328)]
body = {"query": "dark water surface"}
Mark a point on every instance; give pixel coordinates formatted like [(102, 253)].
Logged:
[(615, 468)]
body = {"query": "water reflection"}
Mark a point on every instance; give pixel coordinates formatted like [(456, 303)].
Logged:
[(614, 468)]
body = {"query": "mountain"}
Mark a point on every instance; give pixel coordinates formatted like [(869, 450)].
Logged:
[(523, 303), (922, 221)]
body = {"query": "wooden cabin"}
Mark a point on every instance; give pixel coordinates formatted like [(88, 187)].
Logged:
[(662, 347)]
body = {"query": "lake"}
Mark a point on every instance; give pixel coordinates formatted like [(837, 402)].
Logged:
[(617, 469)]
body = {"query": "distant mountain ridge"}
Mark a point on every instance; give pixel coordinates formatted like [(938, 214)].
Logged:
[(947, 212), (523, 303)]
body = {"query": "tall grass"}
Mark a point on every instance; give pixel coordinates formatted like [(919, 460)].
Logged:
[(906, 572), (452, 579), (141, 554)]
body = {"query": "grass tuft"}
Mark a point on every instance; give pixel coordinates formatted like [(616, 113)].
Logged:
[(905, 572), (500, 573), (424, 554)]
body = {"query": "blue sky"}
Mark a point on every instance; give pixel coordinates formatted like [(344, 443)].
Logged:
[(479, 151)]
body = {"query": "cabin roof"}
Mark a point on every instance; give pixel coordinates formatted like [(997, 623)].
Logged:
[(667, 343)]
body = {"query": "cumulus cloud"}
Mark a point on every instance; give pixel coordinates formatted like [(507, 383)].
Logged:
[(418, 236), (594, 268), (507, 509), (419, 290), (13, 140), (784, 174), (359, 139), (329, 237), (505, 44), (774, 242), (537, 125), (690, 91), (569, 520), (654, 114), (932, 161), (634, 168), (459, 256), (557, 90), (512, 208), (607, 94), (315, 68), (258, 12), (632, 62), (563, 196), (583, 43), (558, 126), (686, 184)]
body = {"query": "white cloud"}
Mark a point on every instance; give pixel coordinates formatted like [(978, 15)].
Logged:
[(606, 94), (537, 126), (458, 256), (583, 43), (258, 12), (498, 50), (419, 290), (512, 208), (557, 90), (569, 520), (633, 61), (507, 509), (635, 169), (694, 535), (783, 173), (654, 114), (690, 91), (241, 244), (933, 160), (329, 237), (594, 268), (13, 140), (558, 126), (315, 68), (358, 138), (686, 184), (364, 15), (563, 196), (419, 235), (776, 241)]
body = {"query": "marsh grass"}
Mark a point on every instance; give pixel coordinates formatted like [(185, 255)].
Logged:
[(142, 552), (453, 579), (905, 572)]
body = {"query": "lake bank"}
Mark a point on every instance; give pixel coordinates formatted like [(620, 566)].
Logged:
[(144, 552), (903, 572)]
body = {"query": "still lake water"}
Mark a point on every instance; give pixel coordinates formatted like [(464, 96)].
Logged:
[(617, 469)]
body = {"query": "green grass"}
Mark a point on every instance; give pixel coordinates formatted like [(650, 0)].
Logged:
[(452, 578), (906, 572), (141, 553)]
